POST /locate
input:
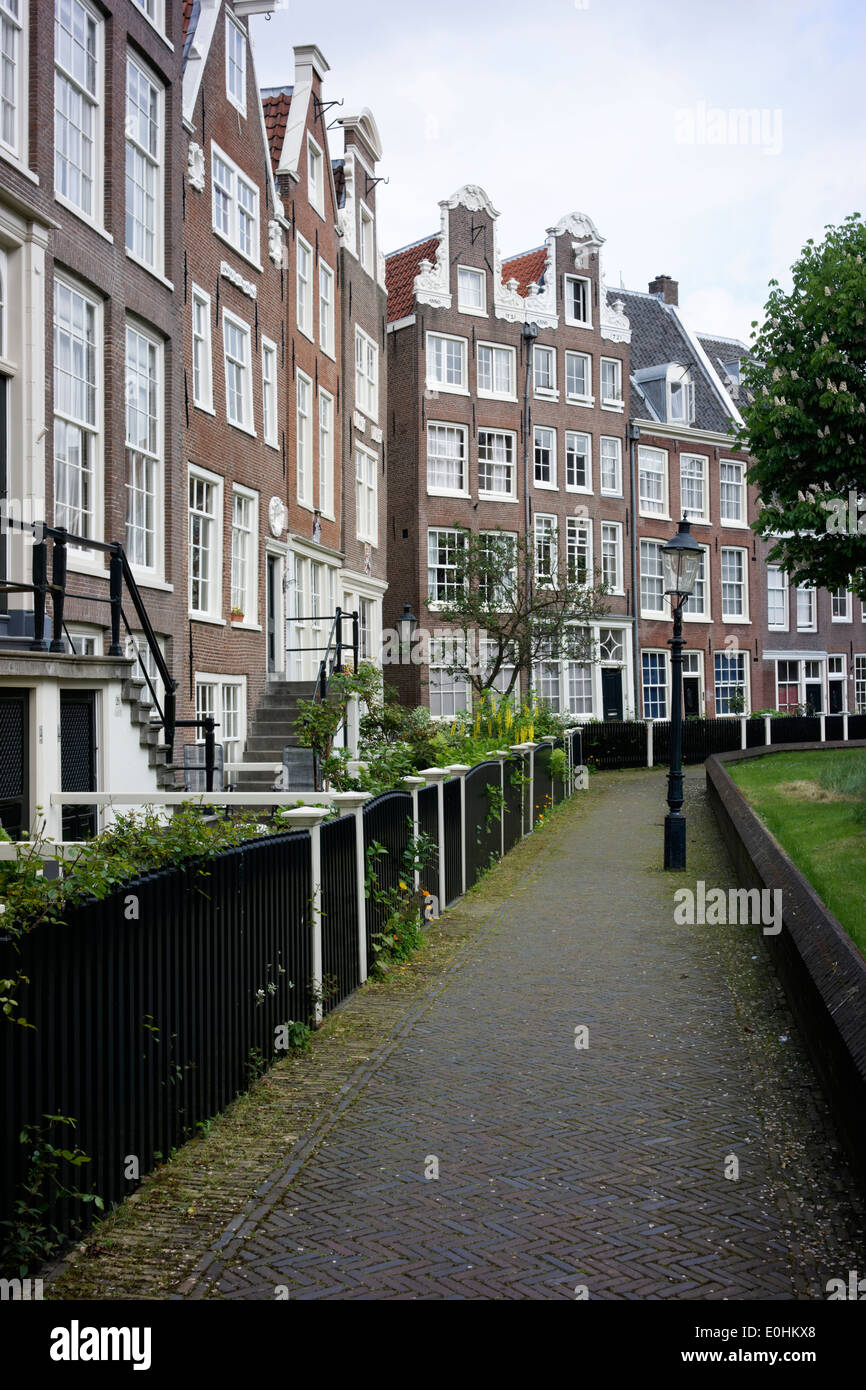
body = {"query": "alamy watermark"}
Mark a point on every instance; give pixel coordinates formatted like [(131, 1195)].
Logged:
[(757, 126), (721, 907)]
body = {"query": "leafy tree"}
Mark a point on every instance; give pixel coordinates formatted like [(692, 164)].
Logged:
[(805, 416), (526, 606)]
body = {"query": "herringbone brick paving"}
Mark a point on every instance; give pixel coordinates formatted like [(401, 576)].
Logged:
[(560, 1167)]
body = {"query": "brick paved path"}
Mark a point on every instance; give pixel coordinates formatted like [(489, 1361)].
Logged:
[(602, 1167)]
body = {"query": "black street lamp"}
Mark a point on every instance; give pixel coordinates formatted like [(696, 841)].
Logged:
[(682, 558), (406, 625)]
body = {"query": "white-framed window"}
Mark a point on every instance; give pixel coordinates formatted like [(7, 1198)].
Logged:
[(840, 606), (806, 608), (578, 301), (787, 685), (734, 592), (154, 10), (446, 363), (499, 549), (471, 290), (730, 682), (681, 399), (654, 668), (496, 371), (578, 687), (578, 376), (694, 492), (236, 65), (367, 240), (860, 683), (652, 579), (237, 350), (652, 481), (544, 445), (777, 598), (144, 160), (366, 374), (445, 547), (144, 449), (578, 549), (245, 535), (546, 549), (270, 429), (578, 461), (235, 206), (547, 676), (326, 453), (732, 488), (224, 698), (205, 543), (202, 357), (366, 495), (544, 370), (610, 466), (304, 286), (446, 459), (13, 76), (315, 176), (304, 436), (450, 694), (78, 97), (697, 605), (77, 410), (497, 476), (611, 555), (326, 308), (611, 382)]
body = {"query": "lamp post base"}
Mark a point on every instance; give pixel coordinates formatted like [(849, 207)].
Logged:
[(675, 841)]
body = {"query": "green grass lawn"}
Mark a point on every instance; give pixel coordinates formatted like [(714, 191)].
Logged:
[(815, 805)]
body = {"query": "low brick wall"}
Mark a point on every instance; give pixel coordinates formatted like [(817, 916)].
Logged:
[(822, 970)]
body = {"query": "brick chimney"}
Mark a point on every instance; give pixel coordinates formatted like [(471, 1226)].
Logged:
[(666, 287)]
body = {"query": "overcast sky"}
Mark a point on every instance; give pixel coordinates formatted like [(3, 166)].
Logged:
[(616, 108)]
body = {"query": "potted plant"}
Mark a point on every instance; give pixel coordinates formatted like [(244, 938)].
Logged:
[(237, 614)]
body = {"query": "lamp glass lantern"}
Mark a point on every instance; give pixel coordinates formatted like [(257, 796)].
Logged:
[(681, 559), (406, 625)]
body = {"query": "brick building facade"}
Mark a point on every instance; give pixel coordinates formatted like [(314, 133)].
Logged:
[(490, 429)]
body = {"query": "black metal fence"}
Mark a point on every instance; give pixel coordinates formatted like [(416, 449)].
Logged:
[(626, 743), (153, 1008)]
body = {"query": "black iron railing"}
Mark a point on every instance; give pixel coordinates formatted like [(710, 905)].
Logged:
[(120, 577)]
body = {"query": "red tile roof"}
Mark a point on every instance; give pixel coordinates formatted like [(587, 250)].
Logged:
[(525, 269), (401, 267), (276, 102)]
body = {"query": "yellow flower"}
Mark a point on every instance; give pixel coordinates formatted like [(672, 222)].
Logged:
[(403, 886)]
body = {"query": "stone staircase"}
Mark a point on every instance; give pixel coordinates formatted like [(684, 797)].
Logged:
[(150, 735), (273, 729)]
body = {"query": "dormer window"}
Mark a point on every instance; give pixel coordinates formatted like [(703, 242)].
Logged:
[(471, 291), (236, 65), (366, 239), (670, 391), (578, 301), (315, 176)]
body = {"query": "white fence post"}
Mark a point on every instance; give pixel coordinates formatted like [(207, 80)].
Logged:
[(822, 717), (414, 783), (502, 754), (460, 770), (310, 818), (649, 742), (353, 723), (767, 739), (437, 776), (743, 734)]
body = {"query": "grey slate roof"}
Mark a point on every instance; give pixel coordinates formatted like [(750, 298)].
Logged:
[(657, 337)]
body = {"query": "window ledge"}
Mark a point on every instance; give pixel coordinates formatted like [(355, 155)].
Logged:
[(207, 618), (206, 409), (583, 491), (157, 275), (617, 406), (82, 217), (247, 627), (543, 394), (243, 255), (495, 396), (476, 313), (151, 582), (654, 516), (306, 334), (606, 492), (447, 492), (580, 400), (244, 429), (546, 487), (577, 323), (437, 389), (18, 163), (494, 497)]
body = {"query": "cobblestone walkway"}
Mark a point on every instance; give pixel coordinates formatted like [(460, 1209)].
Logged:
[(557, 1167)]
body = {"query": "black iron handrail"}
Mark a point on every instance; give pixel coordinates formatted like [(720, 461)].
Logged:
[(335, 641), (119, 574)]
